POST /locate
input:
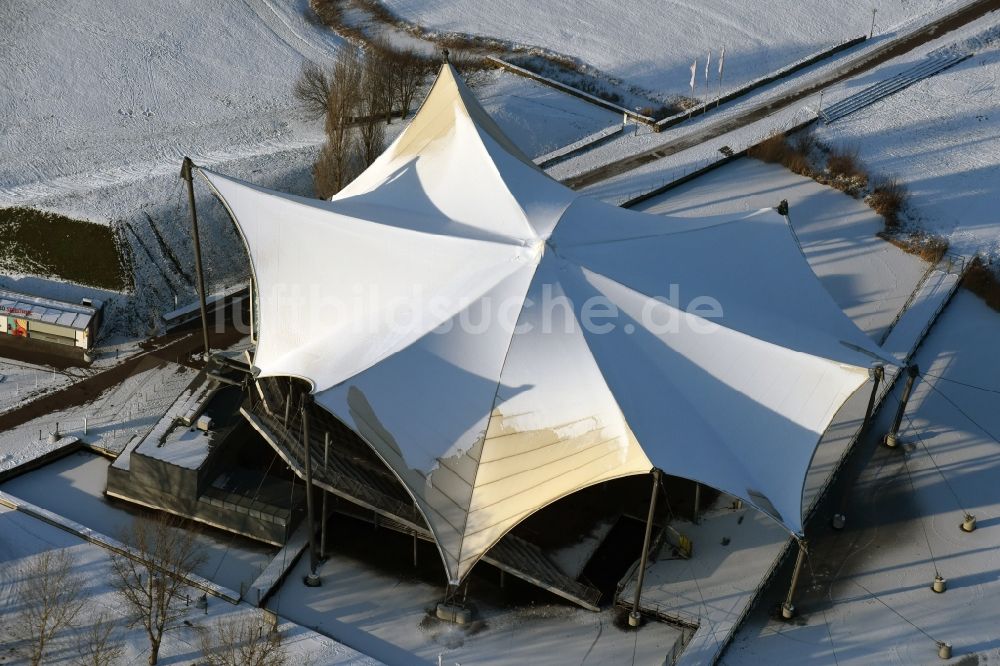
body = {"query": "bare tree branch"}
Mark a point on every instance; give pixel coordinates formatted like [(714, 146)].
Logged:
[(246, 640), (312, 90), (49, 596), (99, 644), (412, 70), (151, 582), (337, 163)]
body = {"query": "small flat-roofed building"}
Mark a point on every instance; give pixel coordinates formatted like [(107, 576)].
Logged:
[(49, 321)]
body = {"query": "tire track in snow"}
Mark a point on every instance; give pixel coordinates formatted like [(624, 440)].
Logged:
[(272, 19)]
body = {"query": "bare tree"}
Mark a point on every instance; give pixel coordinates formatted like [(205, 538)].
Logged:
[(381, 74), (473, 68), (151, 579), (337, 161), (327, 172), (411, 72), (372, 100), (312, 90), (246, 640), (99, 645), (49, 597)]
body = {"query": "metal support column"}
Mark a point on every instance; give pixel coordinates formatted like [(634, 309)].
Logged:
[(697, 502), (892, 437), (787, 608), (187, 175), (324, 515), (876, 374), (312, 578), (635, 618)]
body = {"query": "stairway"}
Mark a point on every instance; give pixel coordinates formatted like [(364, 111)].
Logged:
[(351, 474), (930, 66)]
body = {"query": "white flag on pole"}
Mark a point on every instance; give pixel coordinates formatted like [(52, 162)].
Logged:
[(694, 68), (722, 60), (708, 61)]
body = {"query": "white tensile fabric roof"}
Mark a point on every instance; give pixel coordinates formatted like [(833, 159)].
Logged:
[(455, 233)]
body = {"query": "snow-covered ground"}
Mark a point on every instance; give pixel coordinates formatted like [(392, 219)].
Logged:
[(652, 44), (941, 138), (24, 536), (537, 118), (120, 414), (903, 514), (103, 98), (118, 90), (23, 382), (386, 616)]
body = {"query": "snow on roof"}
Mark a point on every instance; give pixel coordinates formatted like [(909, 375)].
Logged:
[(415, 301), (36, 308)]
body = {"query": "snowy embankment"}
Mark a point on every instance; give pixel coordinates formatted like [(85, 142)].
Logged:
[(110, 422), (941, 138), (652, 45)]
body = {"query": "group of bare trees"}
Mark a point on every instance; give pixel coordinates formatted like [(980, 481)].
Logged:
[(360, 90), (151, 579), (48, 599)]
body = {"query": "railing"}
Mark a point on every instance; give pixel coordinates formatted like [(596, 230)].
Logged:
[(325, 476)]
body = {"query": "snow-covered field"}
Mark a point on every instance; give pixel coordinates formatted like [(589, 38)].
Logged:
[(103, 98), (900, 531), (651, 44), (23, 382), (537, 118), (118, 90), (941, 138)]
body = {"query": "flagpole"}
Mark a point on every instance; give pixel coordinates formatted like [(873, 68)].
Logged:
[(692, 84), (718, 99), (708, 82), (722, 63)]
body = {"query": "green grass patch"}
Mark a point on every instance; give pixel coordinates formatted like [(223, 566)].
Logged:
[(35, 242)]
